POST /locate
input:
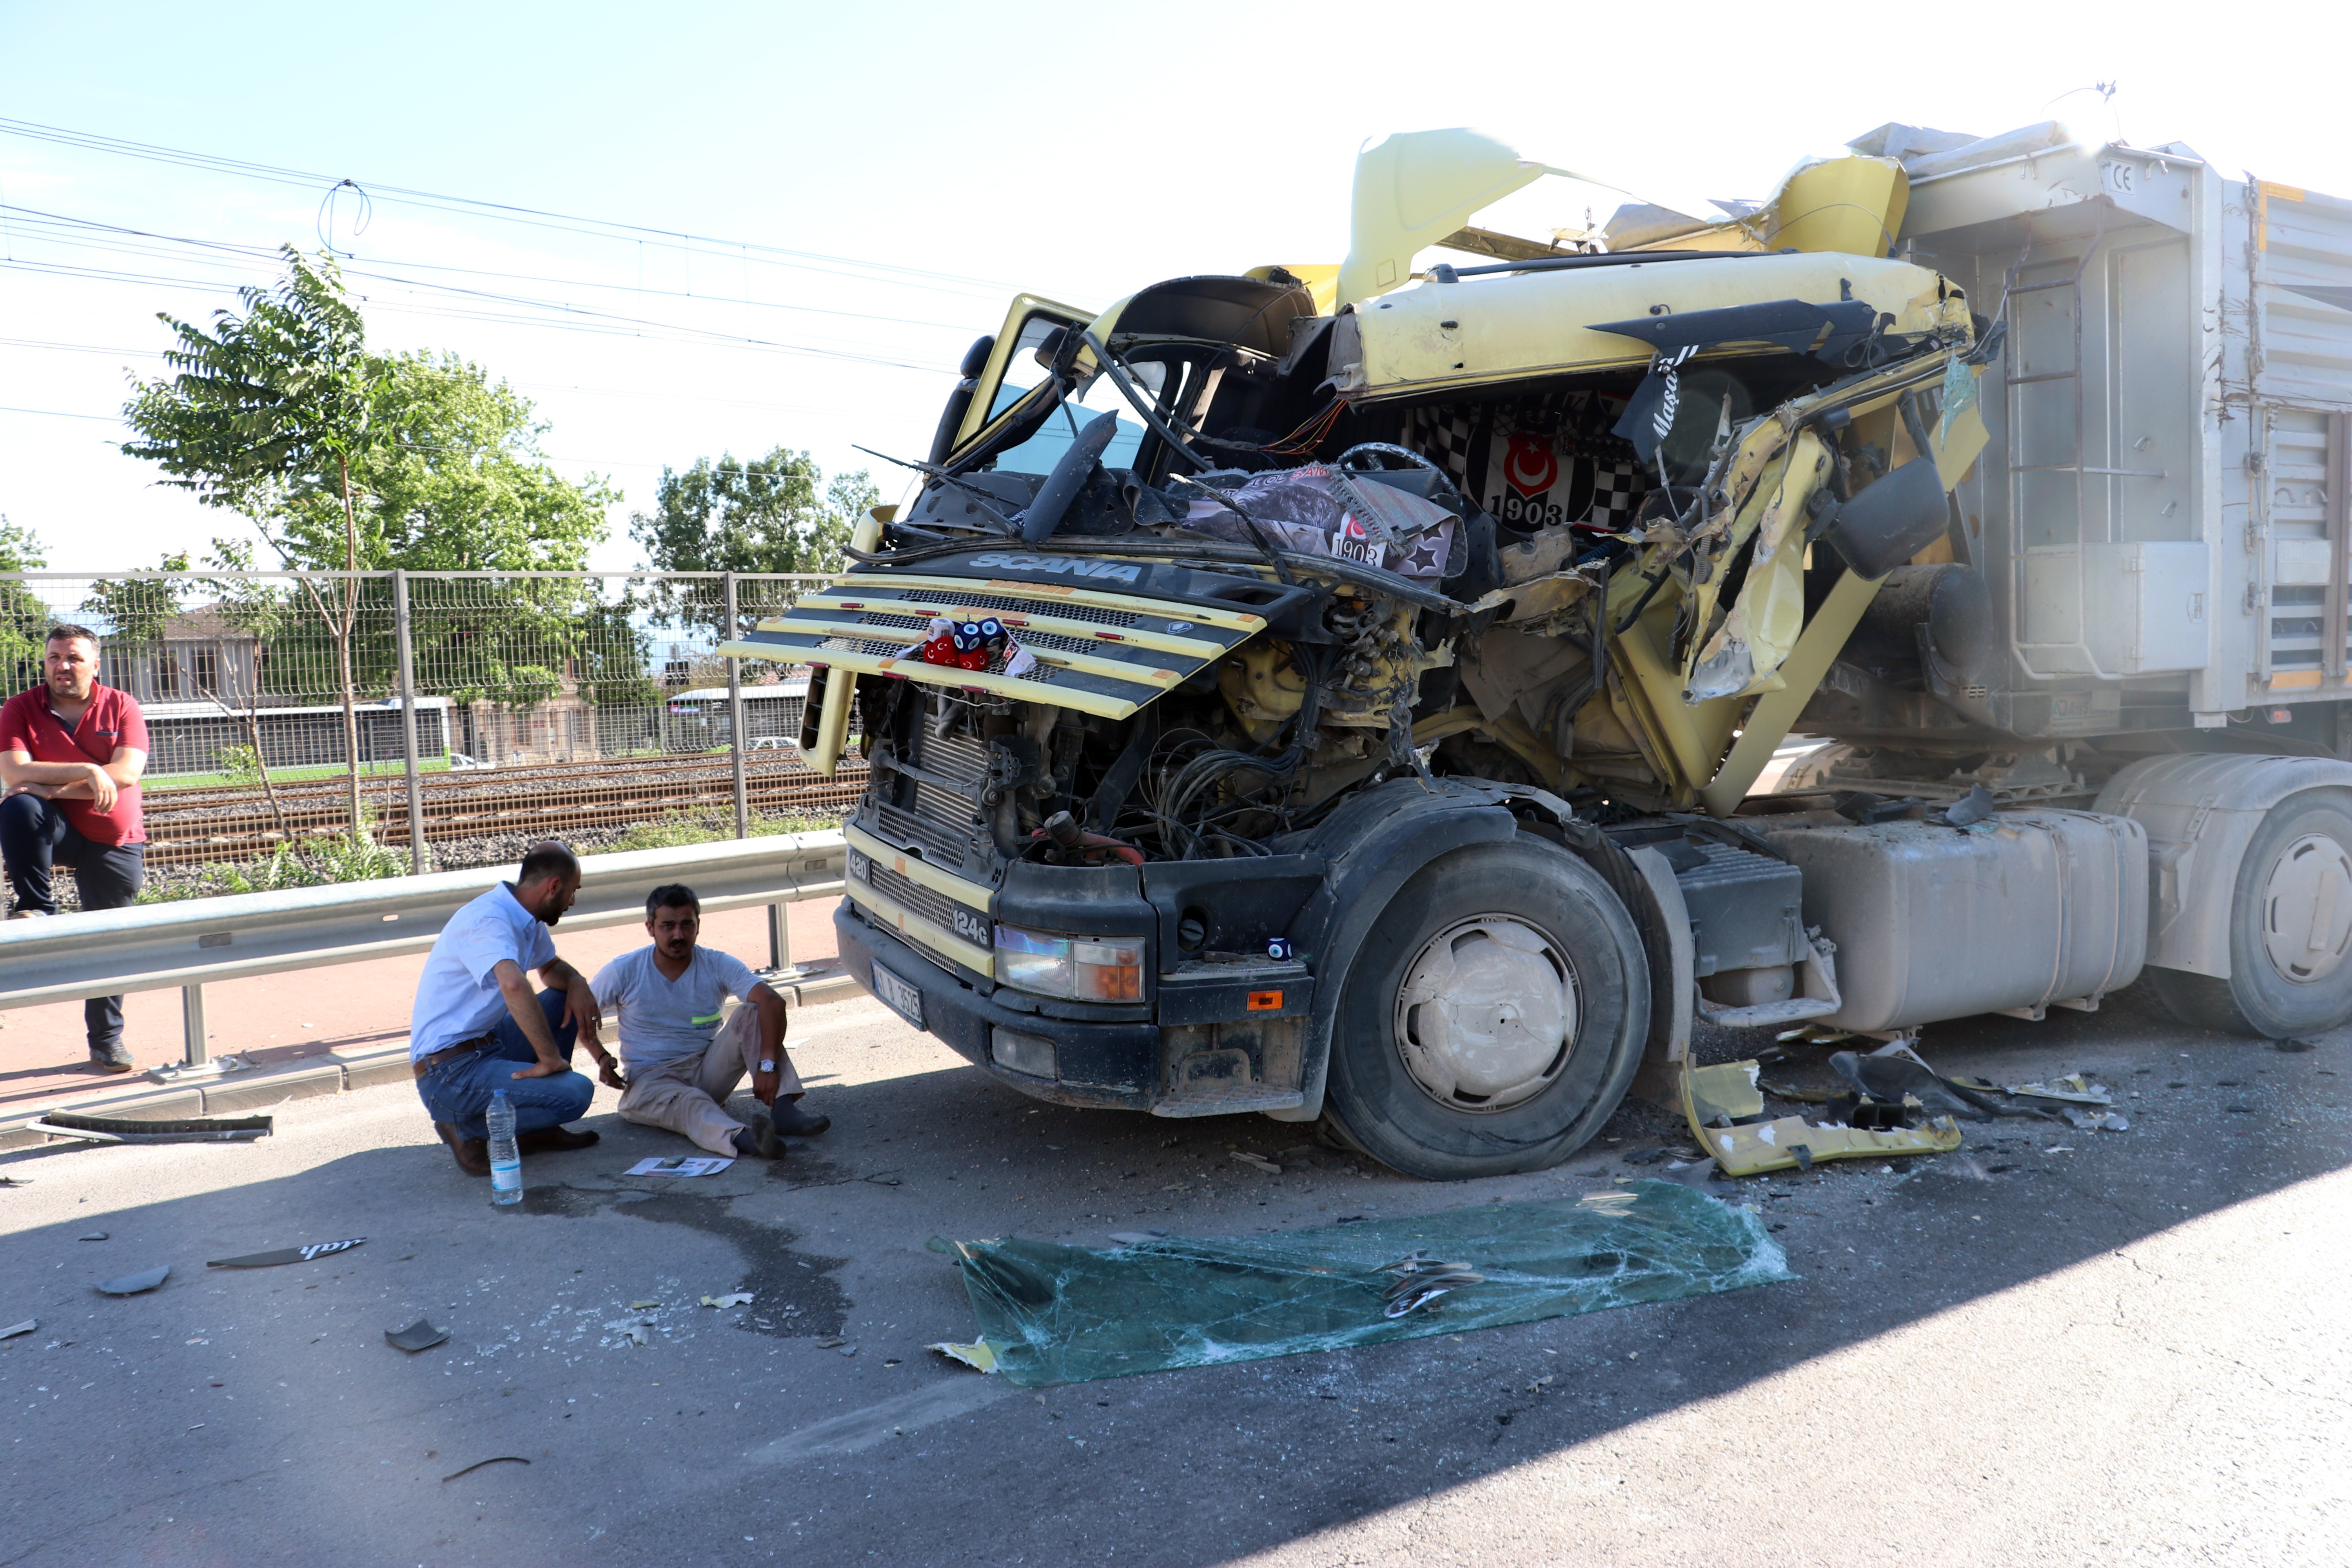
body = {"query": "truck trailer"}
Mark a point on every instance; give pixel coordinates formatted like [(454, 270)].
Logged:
[(1340, 692)]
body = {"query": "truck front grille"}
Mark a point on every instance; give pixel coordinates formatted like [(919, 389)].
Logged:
[(944, 844), (914, 898), (1022, 606)]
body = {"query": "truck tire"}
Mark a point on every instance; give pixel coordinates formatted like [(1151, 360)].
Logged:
[(1493, 1017), (2290, 931)]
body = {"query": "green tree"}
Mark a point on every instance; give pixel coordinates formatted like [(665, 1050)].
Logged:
[(774, 513), (462, 487), (132, 612), (349, 461), (266, 412), (23, 616)]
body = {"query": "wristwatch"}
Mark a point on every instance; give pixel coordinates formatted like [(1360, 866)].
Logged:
[(767, 1067)]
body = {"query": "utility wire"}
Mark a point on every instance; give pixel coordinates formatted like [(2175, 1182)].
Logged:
[(535, 216), (269, 254)]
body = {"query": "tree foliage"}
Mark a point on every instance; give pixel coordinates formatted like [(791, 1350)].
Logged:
[(24, 618), (462, 487), (774, 513)]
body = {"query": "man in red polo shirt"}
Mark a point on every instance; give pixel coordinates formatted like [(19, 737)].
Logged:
[(71, 752)]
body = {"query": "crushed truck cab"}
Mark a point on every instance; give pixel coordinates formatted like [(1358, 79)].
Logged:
[(1342, 692)]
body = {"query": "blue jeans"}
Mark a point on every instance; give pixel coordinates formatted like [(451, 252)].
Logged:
[(458, 1091), (35, 838)]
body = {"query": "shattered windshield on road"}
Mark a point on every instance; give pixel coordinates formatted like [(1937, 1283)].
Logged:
[(1052, 1313)]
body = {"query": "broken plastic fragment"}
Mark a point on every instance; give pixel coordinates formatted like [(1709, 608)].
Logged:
[(979, 1355), (735, 1299), (642, 1306), (2074, 1086), (26, 1327), (420, 1335), (284, 1254), (133, 1283)]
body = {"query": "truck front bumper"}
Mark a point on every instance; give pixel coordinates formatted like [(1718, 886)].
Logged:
[(1111, 1065)]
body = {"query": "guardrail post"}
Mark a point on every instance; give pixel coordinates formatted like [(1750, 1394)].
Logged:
[(420, 856), (779, 944), (735, 718), (197, 1050)]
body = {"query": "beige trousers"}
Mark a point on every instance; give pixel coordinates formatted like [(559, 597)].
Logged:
[(690, 1095)]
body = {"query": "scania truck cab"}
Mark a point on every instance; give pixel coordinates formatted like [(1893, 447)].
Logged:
[(1342, 693)]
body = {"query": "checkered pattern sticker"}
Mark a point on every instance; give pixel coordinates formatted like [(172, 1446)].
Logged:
[(1444, 435), (1535, 462)]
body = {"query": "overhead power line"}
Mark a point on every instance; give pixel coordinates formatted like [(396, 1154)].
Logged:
[(712, 245)]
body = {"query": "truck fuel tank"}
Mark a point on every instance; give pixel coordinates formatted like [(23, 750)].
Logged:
[(2025, 910)]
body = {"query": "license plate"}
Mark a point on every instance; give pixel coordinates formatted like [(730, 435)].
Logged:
[(898, 997)]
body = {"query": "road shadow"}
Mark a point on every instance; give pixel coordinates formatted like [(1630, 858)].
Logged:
[(1168, 1467)]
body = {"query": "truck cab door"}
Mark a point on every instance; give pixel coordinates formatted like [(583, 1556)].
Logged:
[(1012, 371)]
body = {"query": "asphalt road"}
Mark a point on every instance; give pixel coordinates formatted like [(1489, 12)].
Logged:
[(2053, 1347)]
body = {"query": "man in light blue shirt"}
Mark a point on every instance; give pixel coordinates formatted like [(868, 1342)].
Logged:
[(475, 1015), (682, 1063)]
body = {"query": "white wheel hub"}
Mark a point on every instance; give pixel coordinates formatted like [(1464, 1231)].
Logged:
[(2307, 909), (1486, 1015)]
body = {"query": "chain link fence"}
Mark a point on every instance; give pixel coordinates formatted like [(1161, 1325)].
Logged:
[(310, 726)]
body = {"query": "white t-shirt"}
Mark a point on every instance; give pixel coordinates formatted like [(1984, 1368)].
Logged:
[(663, 1019), (458, 998)]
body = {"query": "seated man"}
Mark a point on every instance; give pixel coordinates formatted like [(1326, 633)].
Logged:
[(475, 1015), (681, 1065)]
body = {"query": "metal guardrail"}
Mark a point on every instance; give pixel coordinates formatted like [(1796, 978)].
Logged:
[(188, 944)]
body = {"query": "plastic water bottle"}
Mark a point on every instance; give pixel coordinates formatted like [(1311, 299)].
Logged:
[(506, 1160)]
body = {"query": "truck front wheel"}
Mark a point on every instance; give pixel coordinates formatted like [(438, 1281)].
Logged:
[(1493, 1017), (2290, 931)]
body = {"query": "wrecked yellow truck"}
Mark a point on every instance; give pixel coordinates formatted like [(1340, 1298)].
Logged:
[(1342, 693)]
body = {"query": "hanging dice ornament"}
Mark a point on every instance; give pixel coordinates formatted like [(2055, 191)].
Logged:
[(940, 645)]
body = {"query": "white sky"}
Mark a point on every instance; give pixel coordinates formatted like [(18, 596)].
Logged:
[(1080, 151)]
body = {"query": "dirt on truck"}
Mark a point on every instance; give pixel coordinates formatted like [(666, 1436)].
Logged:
[(1339, 693)]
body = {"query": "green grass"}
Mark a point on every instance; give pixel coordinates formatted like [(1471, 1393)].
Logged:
[(677, 830), (321, 862)]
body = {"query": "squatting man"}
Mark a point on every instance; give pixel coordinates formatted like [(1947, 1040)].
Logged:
[(680, 1061), (477, 1018)]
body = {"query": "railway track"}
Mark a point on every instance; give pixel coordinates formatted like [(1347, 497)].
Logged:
[(381, 785), (227, 826)]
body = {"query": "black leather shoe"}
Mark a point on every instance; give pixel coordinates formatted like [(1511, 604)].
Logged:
[(759, 1140), (794, 1122), (473, 1153), (553, 1141)]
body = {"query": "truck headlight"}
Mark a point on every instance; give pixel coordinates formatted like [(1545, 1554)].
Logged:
[(1086, 969)]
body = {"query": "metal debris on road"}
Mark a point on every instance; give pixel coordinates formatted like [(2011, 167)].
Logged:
[(93, 1235), (1257, 1162), (478, 1464), (734, 1298), (420, 1335), (2074, 1086), (133, 1283), (26, 1327), (1422, 1282), (185, 1129), (284, 1254), (1052, 1313), (979, 1355)]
